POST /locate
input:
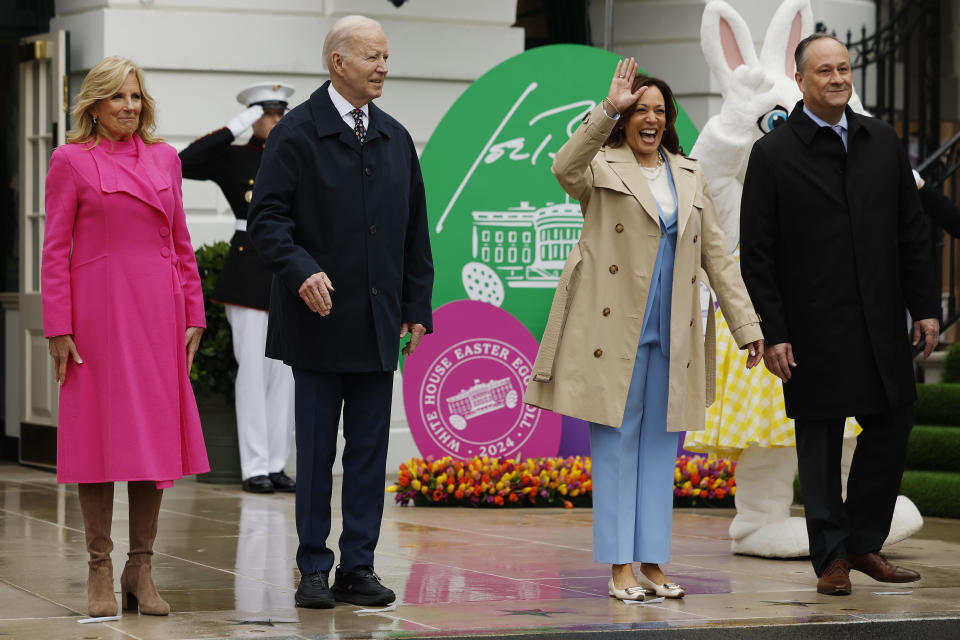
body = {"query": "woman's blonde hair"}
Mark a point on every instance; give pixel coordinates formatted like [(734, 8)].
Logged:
[(103, 81)]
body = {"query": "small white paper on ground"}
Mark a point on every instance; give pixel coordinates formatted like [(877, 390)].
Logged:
[(654, 601), (103, 619), (893, 593), (391, 607)]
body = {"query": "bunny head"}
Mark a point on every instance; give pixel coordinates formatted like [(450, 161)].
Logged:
[(763, 89)]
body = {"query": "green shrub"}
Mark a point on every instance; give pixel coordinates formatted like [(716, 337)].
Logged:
[(938, 404), (951, 364), (934, 448), (936, 493), (214, 367)]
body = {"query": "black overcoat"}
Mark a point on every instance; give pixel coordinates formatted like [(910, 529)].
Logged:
[(244, 279), (834, 251), (324, 202)]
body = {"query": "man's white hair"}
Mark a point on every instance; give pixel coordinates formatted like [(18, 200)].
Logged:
[(340, 34)]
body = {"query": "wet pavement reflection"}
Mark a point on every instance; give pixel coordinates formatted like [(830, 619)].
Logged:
[(224, 560)]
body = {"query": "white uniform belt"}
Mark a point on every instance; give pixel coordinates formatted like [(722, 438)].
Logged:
[(240, 225)]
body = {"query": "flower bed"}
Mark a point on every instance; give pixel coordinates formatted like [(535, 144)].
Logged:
[(701, 482), (491, 482), (544, 482)]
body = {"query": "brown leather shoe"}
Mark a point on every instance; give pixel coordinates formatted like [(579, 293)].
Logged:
[(881, 569), (835, 580)]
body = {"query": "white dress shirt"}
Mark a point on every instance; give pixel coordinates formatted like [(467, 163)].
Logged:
[(345, 109)]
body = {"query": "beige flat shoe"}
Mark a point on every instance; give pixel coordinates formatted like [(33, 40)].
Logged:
[(666, 590), (630, 593)]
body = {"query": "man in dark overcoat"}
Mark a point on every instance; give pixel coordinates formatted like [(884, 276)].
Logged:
[(835, 251), (339, 214)]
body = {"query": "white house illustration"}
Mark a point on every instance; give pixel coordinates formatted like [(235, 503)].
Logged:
[(481, 398), (527, 246)]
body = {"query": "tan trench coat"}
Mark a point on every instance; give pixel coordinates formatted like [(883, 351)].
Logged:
[(586, 357)]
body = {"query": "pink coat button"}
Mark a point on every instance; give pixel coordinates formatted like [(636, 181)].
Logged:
[(164, 232), (165, 252)]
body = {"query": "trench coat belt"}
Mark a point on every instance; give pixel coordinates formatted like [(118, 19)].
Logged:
[(240, 224), (710, 348), (551, 335)]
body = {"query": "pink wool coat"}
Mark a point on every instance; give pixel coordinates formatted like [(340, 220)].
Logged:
[(119, 274)]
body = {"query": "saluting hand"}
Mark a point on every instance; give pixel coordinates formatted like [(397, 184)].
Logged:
[(621, 94), (315, 291), (193, 343), (62, 348), (416, 332)]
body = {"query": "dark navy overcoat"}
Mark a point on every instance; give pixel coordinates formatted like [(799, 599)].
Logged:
[(324, 202)]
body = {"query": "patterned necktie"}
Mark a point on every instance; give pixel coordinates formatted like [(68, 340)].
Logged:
[(838, 130), (358, 127)]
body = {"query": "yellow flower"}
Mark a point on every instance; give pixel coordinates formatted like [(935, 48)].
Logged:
[(392, 488), (695, 492), (416, 485), (450, 488), (686, 485), (575, 493)]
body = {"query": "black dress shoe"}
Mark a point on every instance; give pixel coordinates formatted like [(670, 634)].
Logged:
[(282, 482), (361, 586), (258, 484), (313, 592)]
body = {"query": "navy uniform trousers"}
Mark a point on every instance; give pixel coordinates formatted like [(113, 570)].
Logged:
[(364, 399)]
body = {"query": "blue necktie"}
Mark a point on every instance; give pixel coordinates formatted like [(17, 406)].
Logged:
[(358, 127)]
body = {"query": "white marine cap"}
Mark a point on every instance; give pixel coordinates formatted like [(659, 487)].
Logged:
[(270, 95)]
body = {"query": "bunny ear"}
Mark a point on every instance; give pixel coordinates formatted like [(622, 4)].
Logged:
[(792, 22), (726, 41)]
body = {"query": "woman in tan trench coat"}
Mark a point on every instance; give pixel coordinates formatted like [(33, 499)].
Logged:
[(624, 347)]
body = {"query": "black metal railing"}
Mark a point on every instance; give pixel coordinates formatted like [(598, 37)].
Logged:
[(941, 170), (897, 70)]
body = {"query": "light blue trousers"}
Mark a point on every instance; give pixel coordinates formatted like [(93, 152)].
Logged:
[(633, 470)]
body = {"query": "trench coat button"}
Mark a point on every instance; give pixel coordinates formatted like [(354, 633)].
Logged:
[(164, 232), (693, 279), (598, 353), (614, 268), (375, 291), (165, 252), (373, 229), (695, 238), (368, 171), (606, 311), (619, 228)]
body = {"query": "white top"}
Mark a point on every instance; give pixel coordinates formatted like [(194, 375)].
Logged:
[(345, 109), (660, 186)]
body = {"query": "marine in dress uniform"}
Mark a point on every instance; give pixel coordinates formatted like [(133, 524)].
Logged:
[(264, 387)]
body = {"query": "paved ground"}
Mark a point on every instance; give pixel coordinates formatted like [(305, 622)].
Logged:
[(225, 562)]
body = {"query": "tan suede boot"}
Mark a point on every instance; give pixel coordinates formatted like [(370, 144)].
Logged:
[(96, 504), (136, 581)]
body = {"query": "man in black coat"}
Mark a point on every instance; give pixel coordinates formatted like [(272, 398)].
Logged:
[(339, 214), (264, 387), (834, 251)]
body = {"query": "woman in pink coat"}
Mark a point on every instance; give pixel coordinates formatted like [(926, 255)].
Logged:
[(123, 310)]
